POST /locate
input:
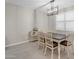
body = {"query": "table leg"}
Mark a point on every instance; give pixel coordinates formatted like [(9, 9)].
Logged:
[(58, 50)]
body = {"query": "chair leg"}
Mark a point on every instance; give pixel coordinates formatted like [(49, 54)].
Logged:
[(72, 48), (64, 49), (43, 48), (59, 54), (38, 45), (71, 51), (52, 54), (68, 57), (45, 51)]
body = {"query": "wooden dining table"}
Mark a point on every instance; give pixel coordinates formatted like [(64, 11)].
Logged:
[(58, 38)]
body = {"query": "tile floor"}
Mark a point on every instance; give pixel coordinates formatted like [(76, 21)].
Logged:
[(30, 50)]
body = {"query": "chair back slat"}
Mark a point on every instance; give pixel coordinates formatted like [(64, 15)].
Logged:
[(48, 38), (41, 37)]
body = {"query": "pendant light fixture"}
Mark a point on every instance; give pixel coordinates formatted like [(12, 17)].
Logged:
[(53, 9)]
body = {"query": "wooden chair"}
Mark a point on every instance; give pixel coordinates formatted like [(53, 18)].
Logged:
[(33, 36), (66, 44), (41, 39), (49, 43)]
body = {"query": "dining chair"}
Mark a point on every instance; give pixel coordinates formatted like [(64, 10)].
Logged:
[(33, 36), (67, 44), (41, 40), (49, 43)]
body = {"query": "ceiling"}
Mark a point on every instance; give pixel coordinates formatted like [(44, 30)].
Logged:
[(36, 3)]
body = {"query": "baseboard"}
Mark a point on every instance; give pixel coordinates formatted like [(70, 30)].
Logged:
[(14, 44)]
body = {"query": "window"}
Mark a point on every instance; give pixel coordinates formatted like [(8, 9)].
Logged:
[(65, 21)]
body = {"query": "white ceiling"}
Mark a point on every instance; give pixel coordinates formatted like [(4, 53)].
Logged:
[(36, 3)]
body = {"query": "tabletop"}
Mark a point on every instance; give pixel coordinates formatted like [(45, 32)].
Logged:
[(58, 36)]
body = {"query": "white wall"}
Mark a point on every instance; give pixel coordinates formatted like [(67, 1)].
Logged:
[(45, 23), (18, 22), (24, 22), (10, 24), (42, 21), (51, 23)]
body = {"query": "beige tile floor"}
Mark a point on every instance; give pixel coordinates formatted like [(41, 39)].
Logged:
[(30, 50)]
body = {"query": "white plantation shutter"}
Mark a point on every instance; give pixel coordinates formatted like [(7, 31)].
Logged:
[(69, 20), (59, 22), (66, 23)]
